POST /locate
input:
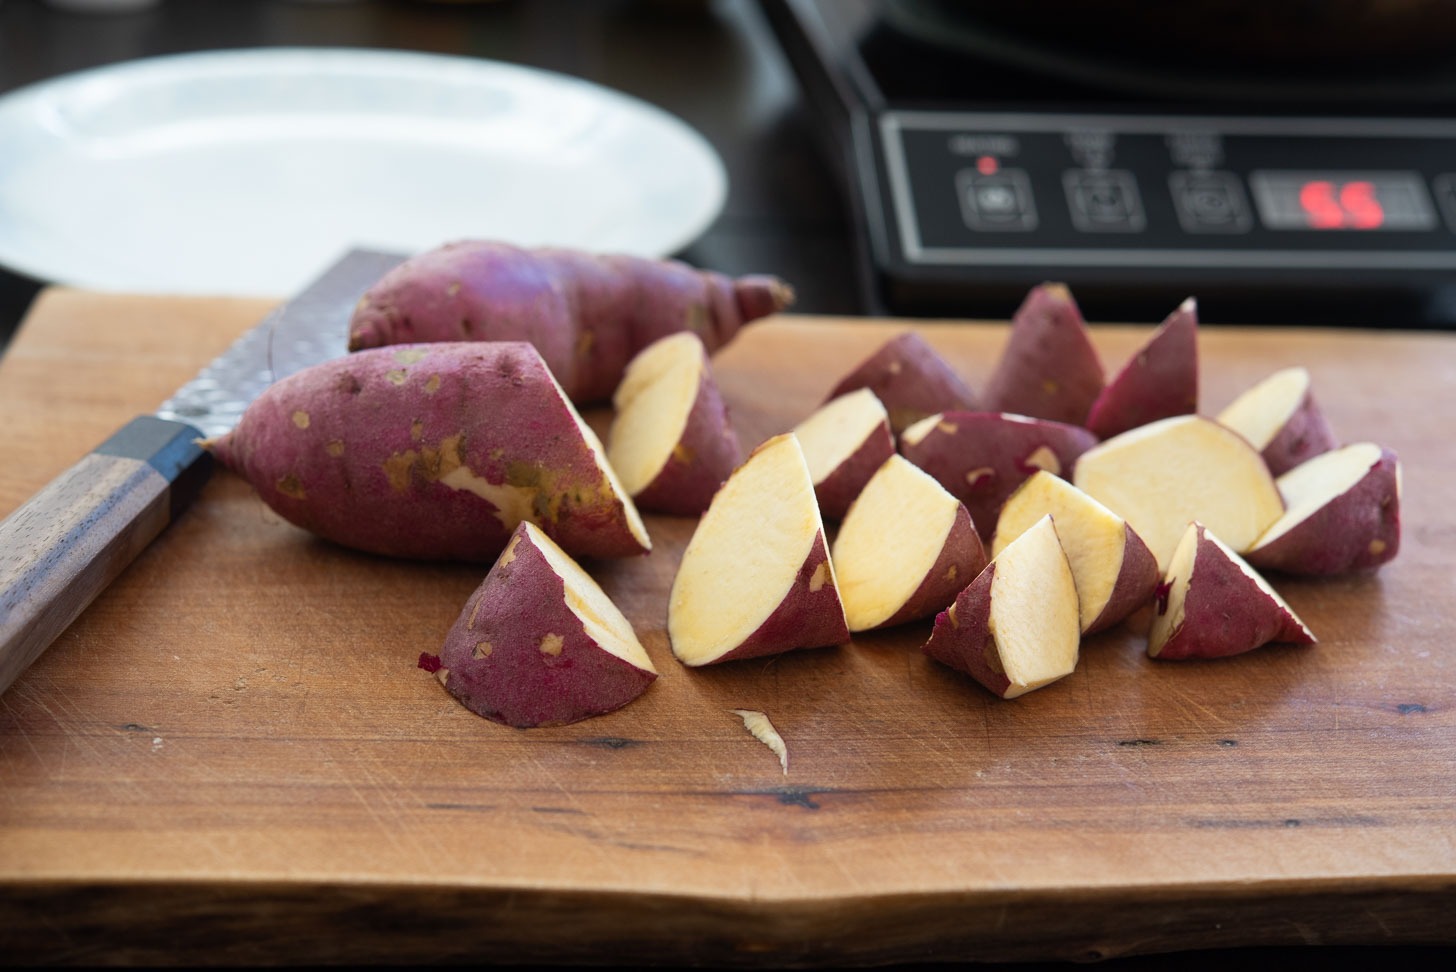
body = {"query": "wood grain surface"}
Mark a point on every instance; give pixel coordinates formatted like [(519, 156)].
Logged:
[(232, 756)]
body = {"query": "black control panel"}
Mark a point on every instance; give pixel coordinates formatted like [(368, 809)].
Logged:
[(1157, 207)]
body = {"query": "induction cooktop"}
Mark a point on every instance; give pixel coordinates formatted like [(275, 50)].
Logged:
[(978, 161)]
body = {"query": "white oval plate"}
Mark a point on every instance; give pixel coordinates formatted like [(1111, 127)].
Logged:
[(248, 172)]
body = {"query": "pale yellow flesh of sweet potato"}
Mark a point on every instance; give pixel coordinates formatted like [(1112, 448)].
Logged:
[(1108, 562), (831, 435), (1015, 627), (599, 615), (756, 577), (1280, 418), (1162, 476), (652, 406), (1311, 485), (671, 439), (1262, 410), (900, 536), (1343, 514), (1034, 611)]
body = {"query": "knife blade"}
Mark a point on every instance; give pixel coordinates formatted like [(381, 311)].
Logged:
[(68, 542)]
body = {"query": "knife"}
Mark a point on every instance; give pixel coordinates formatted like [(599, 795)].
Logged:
[(73, 538)]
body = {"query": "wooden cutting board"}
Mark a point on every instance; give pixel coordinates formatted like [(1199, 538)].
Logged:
[(232, 755)]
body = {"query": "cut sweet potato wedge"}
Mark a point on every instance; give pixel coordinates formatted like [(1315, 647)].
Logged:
[(911, 379), (1216, 605), (1015, 627), (1280, 418), (1114, 570), (1049, 370), (539, 642), (844, 442), (905, 550), (981, 457), (671, 441), (1159, 381), (1162, 476), (1343, 514), (756, 578)]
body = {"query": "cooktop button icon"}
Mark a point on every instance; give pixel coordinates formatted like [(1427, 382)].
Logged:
[(1104, 201), (1210, 202), (999, 201)]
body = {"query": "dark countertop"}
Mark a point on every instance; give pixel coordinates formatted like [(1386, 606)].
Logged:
[(714, 65)]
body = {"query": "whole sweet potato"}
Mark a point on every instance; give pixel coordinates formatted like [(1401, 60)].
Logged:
[(433, 451), (587, 313)]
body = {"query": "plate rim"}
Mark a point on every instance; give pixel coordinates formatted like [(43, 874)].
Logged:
[(274, 59)]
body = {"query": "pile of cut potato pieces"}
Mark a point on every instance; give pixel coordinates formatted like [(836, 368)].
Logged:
[(1056, 503)]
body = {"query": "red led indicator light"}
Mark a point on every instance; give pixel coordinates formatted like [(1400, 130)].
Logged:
[(987, 165), (1351, 205)]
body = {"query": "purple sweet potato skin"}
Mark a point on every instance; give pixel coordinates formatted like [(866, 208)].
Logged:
[(706, 454), (810, 616), (1305, 435), (962, 638), (1225, 613), (1137, 579), (961, 559), (911, 379), (1049, 368), (1159, 381), (1357, 530), (981, 457), (587, 313), (355, 450), (836, 492), (497, 665)]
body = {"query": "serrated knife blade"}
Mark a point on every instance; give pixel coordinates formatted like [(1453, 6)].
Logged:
[(64, 545)]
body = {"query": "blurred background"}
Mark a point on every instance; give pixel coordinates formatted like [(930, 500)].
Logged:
[(1285, 162), (715, 65)]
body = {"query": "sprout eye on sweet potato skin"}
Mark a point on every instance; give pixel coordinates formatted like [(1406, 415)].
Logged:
[(432, 452)]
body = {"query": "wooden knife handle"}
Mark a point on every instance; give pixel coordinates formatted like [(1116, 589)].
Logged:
[(70, 540)]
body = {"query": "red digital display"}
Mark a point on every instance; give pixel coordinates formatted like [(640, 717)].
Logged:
[(1342, 200), (1349, 205)]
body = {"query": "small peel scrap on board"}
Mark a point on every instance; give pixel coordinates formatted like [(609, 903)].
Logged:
[(763, 730)]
